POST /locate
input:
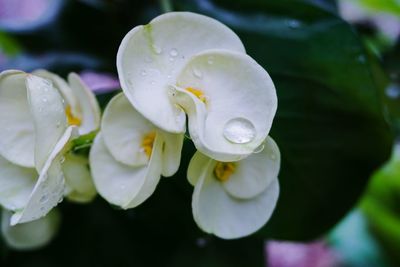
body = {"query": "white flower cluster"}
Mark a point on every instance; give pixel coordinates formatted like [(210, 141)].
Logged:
[(179, 65)]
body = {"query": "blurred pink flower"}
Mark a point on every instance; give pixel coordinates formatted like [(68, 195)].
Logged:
[(100, 82), (292, 254)]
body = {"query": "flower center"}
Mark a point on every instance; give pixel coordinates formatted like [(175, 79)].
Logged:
[(224, 170), (198, 93), (147, 143), (72, 120)]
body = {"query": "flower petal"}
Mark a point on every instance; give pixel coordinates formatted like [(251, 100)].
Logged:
[(237, 105), (49, 188), (30, 235), (121, 184), (255, 173), (48, 115), (172, 150), (17, 137), (61, 85), (16, 184), (79, 182), (197, 166), (123, 129), (216, 212), (88, 104), (151, 56)]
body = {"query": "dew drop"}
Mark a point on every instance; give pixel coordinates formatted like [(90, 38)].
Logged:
[(272, 156), (143, 73), (171, 59), (148, 60), (152, 82), (210, 60), (58, 124), (62, 159), (44, 100), (259, 149), (239, 131), (41, 209), (197, 73), (157, 49), (173, 52), (43, 199), (130, 82)]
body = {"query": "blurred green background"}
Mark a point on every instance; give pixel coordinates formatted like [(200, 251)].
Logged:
[(336, 67)]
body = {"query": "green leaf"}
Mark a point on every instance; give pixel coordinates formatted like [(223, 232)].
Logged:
[(329, 125)]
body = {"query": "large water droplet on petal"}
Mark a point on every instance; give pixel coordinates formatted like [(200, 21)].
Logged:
[(239, 131)]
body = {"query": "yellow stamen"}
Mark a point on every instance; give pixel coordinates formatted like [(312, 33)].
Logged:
[(224, 170), (72, 120), (198, 93), (147, 143)]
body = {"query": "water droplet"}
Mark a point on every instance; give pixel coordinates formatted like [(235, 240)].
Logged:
[(44, 100), (43, 199), (210, 60), (239, 131), (157, 49), (122, 187), (171, 59), (393, 91), (41, 209), (130, 82), (293, 24), (152, 82), (40, 109), (259, 149), (143, 73), (272, 156), (58, 124), (173, 52), (60, 199), (197, 73), (62, 159)]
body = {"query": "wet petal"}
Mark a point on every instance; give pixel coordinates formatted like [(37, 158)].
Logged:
[(121, 184), (17, 137), (255, 173), (151, 56), (61, 85), (230, 107), (49, 188), (78, 180), (88, 104), (48, 115), (29, 235), (216, 212), (172, 150), (123, 130), (16, 184)]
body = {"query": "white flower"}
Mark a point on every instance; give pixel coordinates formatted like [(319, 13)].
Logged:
[(235, 199), (31, 235), (183, 62), (34, 138), (130, 154)]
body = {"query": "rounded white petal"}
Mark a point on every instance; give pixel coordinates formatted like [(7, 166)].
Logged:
[(88, 104), (48, 115), (172, 150), (17, 136), (78, 180), (16, 184), (123, 130), (255, 173), (120, 184), (30, 235), (49, 188), (240, 103), (61, 85), (216, 212), (151, 56), (197, 166)]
